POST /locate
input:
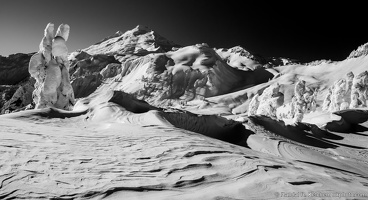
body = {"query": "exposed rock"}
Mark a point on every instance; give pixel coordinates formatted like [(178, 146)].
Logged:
[(84, 86), (6, 93), (21, 98), (253, 105), (111, 70), (14, 78), (14, 68), (140, 40), (50, 68), (87, 72), (240, 58), (91, 65), (360, 51), (280, 61), (318, 62), (77, 56)]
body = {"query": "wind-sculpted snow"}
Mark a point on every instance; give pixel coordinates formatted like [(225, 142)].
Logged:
[(209, 125), (116, 146), (267, 103), (193, 72)]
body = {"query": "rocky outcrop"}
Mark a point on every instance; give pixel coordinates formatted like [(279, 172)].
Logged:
[(360, 51), (90, 65), (21, 99), (50, 68), (14, 80), (253, 105), (240, 58), (6, 93), (111, 70), (84, 86), (86, 72), (14, 68)]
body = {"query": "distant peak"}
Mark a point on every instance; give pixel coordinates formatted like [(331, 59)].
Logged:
[(139, 40), (240, 50), (360, 51), (139, 30), (143, 28), (117, 34)]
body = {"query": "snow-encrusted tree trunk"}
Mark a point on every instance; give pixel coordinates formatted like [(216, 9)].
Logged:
[(359, 90), (253, 105), (340, 95), (269, 101), (304, 100), (50, 67)]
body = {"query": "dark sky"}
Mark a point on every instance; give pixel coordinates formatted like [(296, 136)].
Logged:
[(301, 31)]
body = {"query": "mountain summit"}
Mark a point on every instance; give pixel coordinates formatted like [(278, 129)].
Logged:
[(141, 40), (360, 51)]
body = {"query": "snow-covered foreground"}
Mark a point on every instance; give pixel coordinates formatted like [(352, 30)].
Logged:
[(105, 151)]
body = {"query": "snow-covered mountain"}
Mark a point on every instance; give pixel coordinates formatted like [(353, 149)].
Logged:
[(360, 51), (139, 41), (156, 120)]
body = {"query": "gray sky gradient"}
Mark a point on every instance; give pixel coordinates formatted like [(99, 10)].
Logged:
[(301, 31)]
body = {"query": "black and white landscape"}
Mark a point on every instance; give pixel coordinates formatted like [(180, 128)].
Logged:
[(139, 116)]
